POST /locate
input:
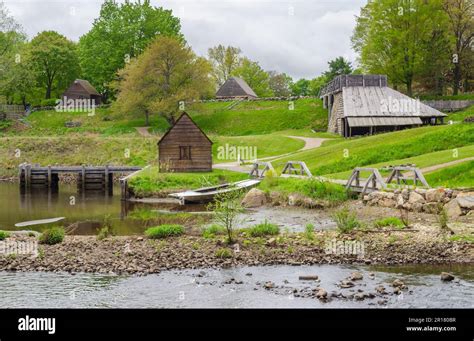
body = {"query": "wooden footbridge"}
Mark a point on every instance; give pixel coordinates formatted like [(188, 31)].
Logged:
[(89, 178)]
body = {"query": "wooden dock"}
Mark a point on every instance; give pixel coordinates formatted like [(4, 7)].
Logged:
[(89, 178)]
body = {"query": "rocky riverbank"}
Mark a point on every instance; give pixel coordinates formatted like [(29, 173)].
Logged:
[(139, 255)]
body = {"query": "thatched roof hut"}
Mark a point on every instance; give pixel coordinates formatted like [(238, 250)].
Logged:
[(235, 87)]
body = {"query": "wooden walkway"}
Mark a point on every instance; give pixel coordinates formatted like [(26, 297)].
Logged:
[(89, 178)]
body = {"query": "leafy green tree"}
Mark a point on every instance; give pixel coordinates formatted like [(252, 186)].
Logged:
[(165, 75), (301, 87), (54, 60), (280, 83), (461, 27), (122, 32), (224, 61), (316, 84), (338, 66), (255, 76), (392, 36)]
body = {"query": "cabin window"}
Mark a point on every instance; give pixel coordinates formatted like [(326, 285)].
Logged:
[(185, 152)]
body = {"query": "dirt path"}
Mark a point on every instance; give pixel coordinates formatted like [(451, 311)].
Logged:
[(442, 165), (310, 143), (143, 131)]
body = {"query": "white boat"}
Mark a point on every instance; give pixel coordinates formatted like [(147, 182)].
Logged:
[(39, 222), (206, 194)]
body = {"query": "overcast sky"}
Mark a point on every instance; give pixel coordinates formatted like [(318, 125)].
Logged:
[(298, 37)]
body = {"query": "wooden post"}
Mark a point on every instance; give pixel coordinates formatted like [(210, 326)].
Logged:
[(83, 176), (28, 176), (49, 177), (106, 179)]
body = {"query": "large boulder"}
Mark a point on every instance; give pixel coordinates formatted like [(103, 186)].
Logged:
[(416, 198), (254, 198), (452, 209), (435, 194), (466, 202)]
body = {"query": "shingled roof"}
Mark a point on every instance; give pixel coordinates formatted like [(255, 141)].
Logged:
[(235, 87), (87, 86)]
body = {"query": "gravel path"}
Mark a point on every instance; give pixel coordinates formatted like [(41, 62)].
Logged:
[(143, 131)]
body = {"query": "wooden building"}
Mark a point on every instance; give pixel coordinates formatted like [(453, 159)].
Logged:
[(185, 148), (364, 104), (235, 88), (82, 89)]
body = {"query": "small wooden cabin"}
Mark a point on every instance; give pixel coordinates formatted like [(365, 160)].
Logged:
[(82, 89), (185, 148)]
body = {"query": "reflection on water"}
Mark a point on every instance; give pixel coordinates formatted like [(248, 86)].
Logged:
[(207, 288), (84, 213)]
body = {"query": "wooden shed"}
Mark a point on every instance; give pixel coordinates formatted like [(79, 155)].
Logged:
[(185, 148), (82, 89), (235, 87), (365, 105)]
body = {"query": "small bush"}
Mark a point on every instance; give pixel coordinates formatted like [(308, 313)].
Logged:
[(51, 102), (264, 229), (346, 220), (443, 218), (309, 231), (4, 235), (223, 253), (52, 236), (213, 230), (164, 231), (107, 229), (389, 221)]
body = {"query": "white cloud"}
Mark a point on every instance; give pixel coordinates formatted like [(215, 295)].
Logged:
[(296, 37)]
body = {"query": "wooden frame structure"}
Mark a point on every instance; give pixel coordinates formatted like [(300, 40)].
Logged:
[(396, 174), (291, 169), (361, 185), (256, 170)]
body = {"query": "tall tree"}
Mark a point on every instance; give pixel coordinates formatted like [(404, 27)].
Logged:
[(255, 76), (461, 24), (224, 61), (391, 36), (280, 83), (122, 32), (166, 74), (54, 58), (301, 87), (316, 84), (338, 66)]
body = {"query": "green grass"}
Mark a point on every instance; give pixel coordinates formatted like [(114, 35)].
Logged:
[(460, 175), (346, 220), (164, 231), (258, 117), (389, 222), (4, 235), (259, 145), (421, 161), (152, 183), (309, 187), (363, 151), (54, 235), (223, 253), (263, 229), (462, 238), (212, 231), (74, 150), (460, 115)]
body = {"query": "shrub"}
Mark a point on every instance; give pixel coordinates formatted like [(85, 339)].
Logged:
[(223, 253), (164, 231), (389, 221), (213, 230), (4, 235), (264, 229), (309, 231), (346, 220), (52, 236), (107, 229), (227, 208), (51, 102), (443, 218)]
